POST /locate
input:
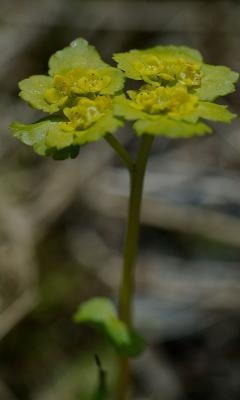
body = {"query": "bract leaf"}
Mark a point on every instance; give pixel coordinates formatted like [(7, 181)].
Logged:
[(78, 54), (33, 90), (216, 81), (170, 128), (46, 138), (212, 112), (179, 126)]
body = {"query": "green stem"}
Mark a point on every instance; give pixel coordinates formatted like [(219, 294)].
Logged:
[(123, 154), (130, 253)]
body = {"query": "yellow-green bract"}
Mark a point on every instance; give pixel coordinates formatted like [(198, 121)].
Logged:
[(85, 100), (80, 87), (178, 91), (168, 65)]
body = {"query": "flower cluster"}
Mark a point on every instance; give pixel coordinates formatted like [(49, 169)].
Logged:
[(179, 90), (78, 94), (176, 100), (83, 96), (154, 71)]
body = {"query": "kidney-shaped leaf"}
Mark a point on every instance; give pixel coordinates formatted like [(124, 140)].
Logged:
[(101, 314)]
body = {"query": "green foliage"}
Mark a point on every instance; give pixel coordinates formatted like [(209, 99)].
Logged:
[(33, 89), (86, 93), (174, 129), (101, 314), (132, 61), (80, 87), (78, 54), (183, 123), (177, 92), (84, 98), (166, 65), (216, 81), (39, 136)]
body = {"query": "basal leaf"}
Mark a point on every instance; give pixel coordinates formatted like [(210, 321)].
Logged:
[(101, 314)]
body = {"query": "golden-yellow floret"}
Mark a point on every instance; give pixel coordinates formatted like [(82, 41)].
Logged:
[(171, 70), (85, 113), (173, 101), (76, 82)]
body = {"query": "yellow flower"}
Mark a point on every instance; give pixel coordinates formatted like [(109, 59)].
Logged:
[(85, 113), (75, 71), (76, 82), (168, 110), (156, 71), (173, 65), (92, 81), (173, 101)]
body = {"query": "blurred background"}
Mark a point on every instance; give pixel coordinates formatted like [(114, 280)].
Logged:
[(62, 223)]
